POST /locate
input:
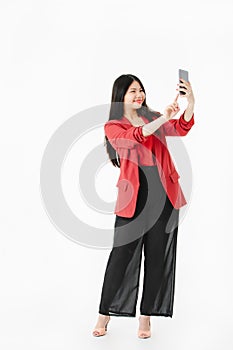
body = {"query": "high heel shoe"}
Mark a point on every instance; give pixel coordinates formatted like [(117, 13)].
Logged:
[(144, 334), (97, 332)]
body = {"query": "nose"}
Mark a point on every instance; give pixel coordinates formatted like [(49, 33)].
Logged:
[(140, 94)]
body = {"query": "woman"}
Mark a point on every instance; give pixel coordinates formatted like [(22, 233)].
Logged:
[(147, 206)]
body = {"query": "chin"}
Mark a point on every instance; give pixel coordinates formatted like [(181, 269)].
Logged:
[(137, 106)]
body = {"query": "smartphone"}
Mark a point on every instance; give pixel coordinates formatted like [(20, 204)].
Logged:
[(183, 74)]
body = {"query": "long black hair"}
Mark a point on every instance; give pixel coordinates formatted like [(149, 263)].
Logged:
[(119, 90)]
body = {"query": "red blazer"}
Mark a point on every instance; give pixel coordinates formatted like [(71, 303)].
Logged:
[(125, 139)]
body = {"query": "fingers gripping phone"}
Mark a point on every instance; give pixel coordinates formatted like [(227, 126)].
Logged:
[(183, 74)]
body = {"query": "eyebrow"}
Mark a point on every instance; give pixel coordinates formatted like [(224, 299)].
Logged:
[(136, 88)]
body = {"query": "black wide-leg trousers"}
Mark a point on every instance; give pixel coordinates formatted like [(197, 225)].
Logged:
[(153, 229)]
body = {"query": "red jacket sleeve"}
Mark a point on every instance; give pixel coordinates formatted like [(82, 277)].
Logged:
[(118, 136), (178, 127)]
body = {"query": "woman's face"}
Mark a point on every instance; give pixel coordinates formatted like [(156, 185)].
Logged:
[(134, 96)]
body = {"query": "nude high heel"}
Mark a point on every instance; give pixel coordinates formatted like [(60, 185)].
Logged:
[(97, 332), (144, 334)]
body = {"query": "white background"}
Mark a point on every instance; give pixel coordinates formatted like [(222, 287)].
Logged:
[(58, 58)]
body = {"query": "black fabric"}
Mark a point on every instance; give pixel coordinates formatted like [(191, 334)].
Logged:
[(153, 231)]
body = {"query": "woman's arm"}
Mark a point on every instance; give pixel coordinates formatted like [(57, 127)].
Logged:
[(175, 127), (170, 111), (189, 112), (122, 137), (187, 88), (178, 127), (150, 128), (181, 126)]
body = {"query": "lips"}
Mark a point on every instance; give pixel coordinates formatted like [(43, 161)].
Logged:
[(138, 101)]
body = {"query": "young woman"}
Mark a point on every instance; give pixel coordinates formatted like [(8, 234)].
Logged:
[(147, 206)]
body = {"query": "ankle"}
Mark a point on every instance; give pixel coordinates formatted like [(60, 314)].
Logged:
[(103, 316)]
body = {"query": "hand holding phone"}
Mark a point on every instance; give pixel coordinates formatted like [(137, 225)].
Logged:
[(184, 87), (183, 74)]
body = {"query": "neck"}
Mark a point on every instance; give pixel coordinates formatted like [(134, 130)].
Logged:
[(131, 115)]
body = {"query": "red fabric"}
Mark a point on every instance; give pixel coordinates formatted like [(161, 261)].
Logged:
[(145, 157), (135, 149)]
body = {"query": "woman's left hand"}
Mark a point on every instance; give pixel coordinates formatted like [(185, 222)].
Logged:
[(186, 87)]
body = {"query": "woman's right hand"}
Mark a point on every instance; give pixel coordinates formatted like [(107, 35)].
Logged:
[(172, 109)]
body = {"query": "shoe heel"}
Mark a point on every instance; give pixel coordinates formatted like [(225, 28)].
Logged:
[(106, 326)]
